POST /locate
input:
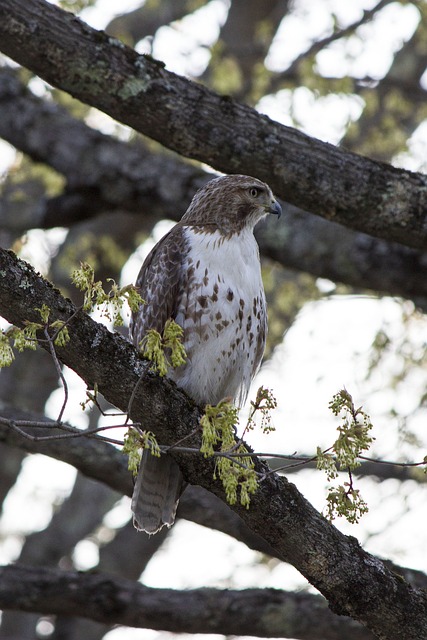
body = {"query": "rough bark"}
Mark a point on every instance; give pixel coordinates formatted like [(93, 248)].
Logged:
[(112, 600), (188, 118), (104, 174), (98, 460), (355, 583), (103, 462)]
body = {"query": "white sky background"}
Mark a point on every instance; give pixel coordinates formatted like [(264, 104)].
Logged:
[(327, 348)]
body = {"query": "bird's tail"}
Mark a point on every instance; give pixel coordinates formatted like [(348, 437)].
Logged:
[(158, 486)]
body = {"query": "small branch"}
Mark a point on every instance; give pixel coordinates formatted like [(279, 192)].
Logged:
[(321, 44), (19, 426), (59, 372), (394, 464)]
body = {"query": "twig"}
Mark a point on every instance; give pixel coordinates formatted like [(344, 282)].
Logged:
[(59, 371), (71, 432), (317, 46)]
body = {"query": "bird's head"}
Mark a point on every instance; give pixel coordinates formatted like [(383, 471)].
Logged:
[(231, 203)]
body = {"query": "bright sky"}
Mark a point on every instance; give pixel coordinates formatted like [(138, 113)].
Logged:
[(327, 348)]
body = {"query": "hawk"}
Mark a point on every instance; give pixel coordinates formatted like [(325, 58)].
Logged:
[(205, 274)]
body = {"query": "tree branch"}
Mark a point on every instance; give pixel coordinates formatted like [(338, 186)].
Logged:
[(328, 250), (107, 174), (102, 173), (292, 70), (103, 462), (355, 583), (113, 600), (188, 118), (147, 19)]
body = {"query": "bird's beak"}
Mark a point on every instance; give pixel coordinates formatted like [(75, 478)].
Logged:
[(275, 208)]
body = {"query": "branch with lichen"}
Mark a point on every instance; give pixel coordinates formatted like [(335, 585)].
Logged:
[(234, 463)]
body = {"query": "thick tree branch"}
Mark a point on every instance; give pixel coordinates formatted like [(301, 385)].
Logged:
[(107, 174), (360, 193), (103, 462), (112, 600), (102, 173), (355, 583)]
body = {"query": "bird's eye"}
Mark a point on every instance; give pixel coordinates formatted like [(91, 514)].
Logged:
[(254, 192)]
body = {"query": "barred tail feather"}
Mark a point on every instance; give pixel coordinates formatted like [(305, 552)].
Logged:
[(158, 486)]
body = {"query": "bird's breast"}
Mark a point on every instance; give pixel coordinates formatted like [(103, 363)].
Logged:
[(223, 313)]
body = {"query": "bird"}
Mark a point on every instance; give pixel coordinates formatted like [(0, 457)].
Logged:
[(205, 274)]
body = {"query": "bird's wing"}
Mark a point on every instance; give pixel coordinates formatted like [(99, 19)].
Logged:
[(160, 283), (261, 336)]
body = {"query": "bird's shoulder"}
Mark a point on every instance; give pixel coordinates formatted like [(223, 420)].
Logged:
[(159, 282)]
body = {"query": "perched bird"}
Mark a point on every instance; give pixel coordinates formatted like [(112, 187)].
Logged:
[(204, 274)]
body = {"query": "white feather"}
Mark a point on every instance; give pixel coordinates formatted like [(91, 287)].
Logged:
[(216, 370)]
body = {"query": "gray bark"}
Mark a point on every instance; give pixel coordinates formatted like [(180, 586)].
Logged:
[(360, 193), (154, 186), (108, 599), (354, 582)]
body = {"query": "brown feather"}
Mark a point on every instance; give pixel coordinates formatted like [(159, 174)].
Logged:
[(205, 274)]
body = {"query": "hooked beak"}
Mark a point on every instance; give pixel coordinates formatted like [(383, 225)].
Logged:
[(275, 208)]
